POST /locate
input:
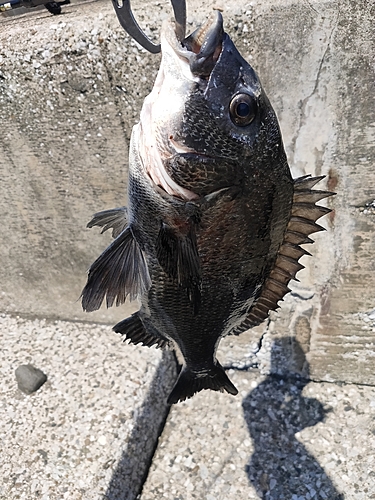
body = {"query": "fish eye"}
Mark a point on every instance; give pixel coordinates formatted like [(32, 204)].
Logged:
[(242, 109)]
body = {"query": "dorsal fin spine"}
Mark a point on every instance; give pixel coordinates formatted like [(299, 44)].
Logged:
[(303, 216)]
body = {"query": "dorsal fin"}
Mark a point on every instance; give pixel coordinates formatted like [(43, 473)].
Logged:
[(302, 223)]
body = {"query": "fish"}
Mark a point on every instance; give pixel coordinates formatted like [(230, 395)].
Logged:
[(212, 233)]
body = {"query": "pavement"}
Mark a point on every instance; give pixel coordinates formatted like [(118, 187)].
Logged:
[(99, 428), (90, 431)]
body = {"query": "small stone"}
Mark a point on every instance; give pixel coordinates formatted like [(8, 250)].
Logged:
[(29, 378), (102, 440), (272, 484)]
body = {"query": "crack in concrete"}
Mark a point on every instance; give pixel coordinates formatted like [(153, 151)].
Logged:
[(340, 383), (304, 102), (323, 58), (266, 330), (253, 362), (104, 51), (311, 7), (299, 295)]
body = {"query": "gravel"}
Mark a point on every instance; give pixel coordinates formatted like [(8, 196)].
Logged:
[(89, 432), (279, 439)]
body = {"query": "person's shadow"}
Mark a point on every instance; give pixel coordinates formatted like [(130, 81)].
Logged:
[(281, 468)]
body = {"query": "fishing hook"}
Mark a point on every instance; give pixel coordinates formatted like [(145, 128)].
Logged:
[(130, 25)]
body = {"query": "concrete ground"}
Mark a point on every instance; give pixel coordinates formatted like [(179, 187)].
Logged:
[(91, 430)]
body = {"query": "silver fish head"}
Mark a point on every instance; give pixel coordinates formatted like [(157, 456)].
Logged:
[(207, 116)]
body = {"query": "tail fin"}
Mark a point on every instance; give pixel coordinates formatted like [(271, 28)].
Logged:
[(189, 382)]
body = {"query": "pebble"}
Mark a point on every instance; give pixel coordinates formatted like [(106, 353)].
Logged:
[(29, 378)]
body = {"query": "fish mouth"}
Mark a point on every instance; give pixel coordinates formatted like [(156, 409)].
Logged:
[(202, 48), (205, 45)]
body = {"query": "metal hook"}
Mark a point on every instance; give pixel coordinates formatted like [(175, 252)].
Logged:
[(130, 25)]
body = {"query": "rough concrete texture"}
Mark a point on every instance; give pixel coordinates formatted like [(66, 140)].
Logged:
[(63, 151), (315, 59), (90, 431), (71, 88), (277, 440)]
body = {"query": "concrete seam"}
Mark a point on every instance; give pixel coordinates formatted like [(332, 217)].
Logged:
[(122, 485), (156, 444)]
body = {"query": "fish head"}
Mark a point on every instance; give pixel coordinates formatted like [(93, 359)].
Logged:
[(207, 119)]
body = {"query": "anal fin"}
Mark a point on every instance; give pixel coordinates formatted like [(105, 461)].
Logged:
[(133, 330), (120, 271)]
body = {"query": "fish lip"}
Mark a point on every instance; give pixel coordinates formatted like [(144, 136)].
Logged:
[(182, 149), (202, 48)]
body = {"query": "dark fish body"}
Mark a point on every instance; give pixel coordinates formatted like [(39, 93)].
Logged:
[(214, 223)]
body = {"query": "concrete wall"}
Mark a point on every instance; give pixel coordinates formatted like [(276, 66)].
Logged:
[(71, 88)]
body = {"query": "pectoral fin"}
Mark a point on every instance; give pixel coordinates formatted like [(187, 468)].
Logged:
[(120, 271), (178, 256), (115, 219)]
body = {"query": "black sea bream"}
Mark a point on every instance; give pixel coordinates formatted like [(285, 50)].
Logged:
[(211, 236)]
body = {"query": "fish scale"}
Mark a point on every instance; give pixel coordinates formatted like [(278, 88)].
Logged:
[(211, 237)]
